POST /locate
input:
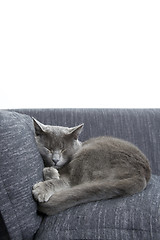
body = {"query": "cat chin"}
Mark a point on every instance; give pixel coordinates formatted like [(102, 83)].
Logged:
[(58, 166), (61, 163)]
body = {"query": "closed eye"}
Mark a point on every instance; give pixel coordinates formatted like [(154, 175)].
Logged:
[(63, 150), (47, 149)]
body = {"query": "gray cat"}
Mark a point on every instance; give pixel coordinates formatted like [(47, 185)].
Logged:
[(75, 172)]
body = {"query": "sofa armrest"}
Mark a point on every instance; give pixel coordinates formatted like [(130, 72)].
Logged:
[(20, 167)]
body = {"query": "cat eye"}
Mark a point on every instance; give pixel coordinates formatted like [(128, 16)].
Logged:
[(47, 149), (63, 150), (62, 147)]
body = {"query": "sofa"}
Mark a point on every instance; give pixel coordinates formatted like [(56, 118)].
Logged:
[(135, 217)]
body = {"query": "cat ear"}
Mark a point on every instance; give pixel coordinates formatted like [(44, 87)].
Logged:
[(75, 131), (38, 127)]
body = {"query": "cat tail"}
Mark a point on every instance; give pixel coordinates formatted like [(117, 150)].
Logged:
[(93, 191)]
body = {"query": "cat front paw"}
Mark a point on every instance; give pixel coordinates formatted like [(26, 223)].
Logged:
[(50, 173), (41, 192)]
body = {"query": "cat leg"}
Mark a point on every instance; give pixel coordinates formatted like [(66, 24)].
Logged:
[(50, 173), (42, 191), (93, 191)]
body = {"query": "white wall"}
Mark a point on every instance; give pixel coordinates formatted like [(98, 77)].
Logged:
[(79, 53)]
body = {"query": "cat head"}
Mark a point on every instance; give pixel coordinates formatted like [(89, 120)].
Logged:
[(57, 144)]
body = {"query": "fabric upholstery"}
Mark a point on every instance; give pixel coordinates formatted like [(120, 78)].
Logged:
[(20, 167), (130, 218), (3, 229)]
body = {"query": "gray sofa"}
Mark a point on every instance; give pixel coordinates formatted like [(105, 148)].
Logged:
[(135, 217)]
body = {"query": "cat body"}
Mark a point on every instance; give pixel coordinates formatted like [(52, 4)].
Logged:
[(75, 172)]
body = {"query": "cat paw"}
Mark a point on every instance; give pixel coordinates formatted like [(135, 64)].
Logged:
[(41, 193), (50, 173)]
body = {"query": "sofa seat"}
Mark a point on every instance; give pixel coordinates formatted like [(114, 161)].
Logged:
[(129, 218)]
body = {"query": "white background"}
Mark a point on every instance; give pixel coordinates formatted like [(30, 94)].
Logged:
[(79, 53)]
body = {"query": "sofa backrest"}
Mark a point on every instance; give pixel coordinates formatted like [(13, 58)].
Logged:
[(139, 126), (20, 167)]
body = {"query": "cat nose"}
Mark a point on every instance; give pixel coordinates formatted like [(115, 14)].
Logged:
[(55, 158)]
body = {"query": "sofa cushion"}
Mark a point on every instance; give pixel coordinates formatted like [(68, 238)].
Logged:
[(20, 167), (129, 218)]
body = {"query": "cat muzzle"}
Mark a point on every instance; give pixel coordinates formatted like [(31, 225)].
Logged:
[(55, 158)]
